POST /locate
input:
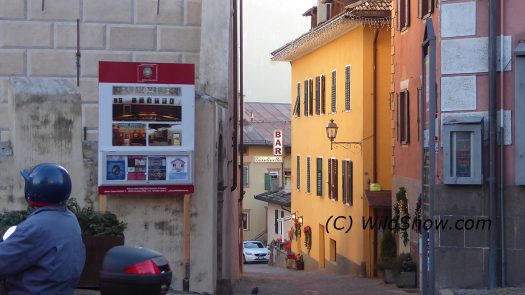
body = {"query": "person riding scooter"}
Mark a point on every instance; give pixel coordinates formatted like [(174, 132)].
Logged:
[(45, 254)]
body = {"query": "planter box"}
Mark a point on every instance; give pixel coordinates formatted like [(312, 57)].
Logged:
[(290, 264), (389, 277), (406, 279), (299, 265), (96, 248)]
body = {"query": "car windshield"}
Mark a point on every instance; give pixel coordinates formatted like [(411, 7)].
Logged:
[(253, 245)]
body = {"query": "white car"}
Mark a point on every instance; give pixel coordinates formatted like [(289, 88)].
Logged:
[(255, 251)]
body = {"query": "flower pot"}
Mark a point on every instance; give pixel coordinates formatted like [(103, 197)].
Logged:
[(96, 248), (406, 279), (299, 265), (389, 277), (290, 263)]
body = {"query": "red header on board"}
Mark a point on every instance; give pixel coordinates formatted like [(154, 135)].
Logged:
[(146, 72), (144, 190)]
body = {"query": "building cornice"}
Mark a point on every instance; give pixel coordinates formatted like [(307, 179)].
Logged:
[(325, 33)]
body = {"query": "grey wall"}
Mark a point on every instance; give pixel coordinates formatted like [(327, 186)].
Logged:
[(42, 44)]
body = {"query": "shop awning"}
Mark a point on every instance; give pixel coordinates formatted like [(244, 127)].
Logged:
[(380, 199)]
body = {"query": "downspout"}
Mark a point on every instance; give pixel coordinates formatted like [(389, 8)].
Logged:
[(235, 98), (241, 103), (493, 251), (502, 145), (375, 105)]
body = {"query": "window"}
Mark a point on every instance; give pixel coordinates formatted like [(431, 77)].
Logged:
[(347, 88), (403, 117), (246, 220), (462, 144), (298, 174), (425, 8), (332, 179), (271, 181), (311, 97), (403, 14), (323, 95), (333, 250), (333, 91), (245, 175), (276, 222), (308, 174), (348, 179), (319, 177), (297, 105), (317, 95), (306, 88)]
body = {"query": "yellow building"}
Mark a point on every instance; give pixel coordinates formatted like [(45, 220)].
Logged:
[(263, 171), (341, 72)]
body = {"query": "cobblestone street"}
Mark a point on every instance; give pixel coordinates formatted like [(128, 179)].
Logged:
[(272, 280)]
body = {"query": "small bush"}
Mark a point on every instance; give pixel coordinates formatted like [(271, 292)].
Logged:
[(388, 251), (92, 223)]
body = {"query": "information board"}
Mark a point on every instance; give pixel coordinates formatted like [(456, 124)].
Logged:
[(146, 127)]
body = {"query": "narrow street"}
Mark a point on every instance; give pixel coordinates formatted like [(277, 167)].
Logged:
[(273, 280)]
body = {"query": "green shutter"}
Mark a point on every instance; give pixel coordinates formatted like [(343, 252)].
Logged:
[(267, 181)]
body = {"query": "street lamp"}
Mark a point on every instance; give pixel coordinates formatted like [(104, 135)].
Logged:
[(300, 220), (331, 133)]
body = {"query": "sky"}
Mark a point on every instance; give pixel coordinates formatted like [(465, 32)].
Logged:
[(268, 25)]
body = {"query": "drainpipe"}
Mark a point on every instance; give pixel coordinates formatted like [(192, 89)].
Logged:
[(501, 156), (375, 105), (241, 104), (235, 97), (493, 251)]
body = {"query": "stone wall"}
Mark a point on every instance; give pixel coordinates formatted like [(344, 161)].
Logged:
[(40, 42)]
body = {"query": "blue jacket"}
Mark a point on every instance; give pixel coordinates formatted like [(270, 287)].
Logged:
[(45, 255)]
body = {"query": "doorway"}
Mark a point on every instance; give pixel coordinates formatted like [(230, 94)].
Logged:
[(321, 246)]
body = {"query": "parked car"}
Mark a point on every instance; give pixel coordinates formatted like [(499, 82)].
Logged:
[(255, 251)]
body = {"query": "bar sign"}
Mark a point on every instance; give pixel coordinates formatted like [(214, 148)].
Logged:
[(278, 143)]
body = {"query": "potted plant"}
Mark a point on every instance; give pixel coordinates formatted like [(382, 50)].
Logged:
[(387, 257), (308, 238), (299, 262), (290, 260), (406, 271)]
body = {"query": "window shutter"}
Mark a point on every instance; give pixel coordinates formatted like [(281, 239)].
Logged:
[(245, 175), (305, 98), (420, 8), (319, 177), (323, 95), (350, 173), (347, 88), (267, 181), (333, 91), (335, 180), (311, 92), (298, 174), (330, 188), (308, 174), (297, 106), (317, 95), (344, 182)]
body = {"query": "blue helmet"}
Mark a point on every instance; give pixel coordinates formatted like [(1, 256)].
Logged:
[(46, 184)]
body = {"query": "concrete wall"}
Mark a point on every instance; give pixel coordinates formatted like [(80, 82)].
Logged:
[(42, 44)]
